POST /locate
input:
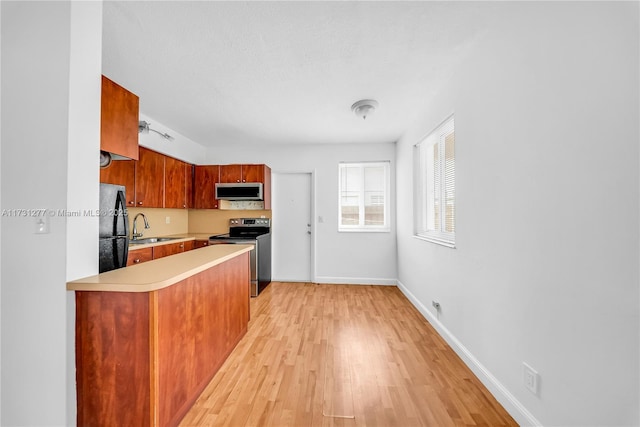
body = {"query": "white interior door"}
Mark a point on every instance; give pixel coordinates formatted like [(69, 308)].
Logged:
[(291, 227)]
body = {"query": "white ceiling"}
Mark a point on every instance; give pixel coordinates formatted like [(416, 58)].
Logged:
[(284, 72)]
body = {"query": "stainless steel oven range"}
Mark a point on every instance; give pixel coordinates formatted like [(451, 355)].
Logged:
[(255, 231)]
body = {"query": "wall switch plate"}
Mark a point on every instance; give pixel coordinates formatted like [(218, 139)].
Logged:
[(531, 379), (42, 225), (167, 219)]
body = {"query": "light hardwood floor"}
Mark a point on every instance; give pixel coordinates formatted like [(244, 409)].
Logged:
[(340, 355)]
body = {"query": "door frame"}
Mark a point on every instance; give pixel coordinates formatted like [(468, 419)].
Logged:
[(312, 219)]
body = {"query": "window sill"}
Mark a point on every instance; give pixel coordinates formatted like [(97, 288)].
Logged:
[(364, 230), (437, 241)]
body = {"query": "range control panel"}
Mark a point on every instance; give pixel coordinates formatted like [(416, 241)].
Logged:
[(250, 222)]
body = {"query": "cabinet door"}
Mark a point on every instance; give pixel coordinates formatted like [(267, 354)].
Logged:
[(149, 179), (204, 182), (162, 251), (188, 245), (118, 120), (231, 173), (188, 183), (200, 244), (174, 183), (121, 172), (139, 255), (253, 173)]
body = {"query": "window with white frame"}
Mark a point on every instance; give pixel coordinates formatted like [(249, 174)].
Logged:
[(363, 196), (435, 218)]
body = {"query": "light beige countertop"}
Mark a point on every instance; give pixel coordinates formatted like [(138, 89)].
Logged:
[(160, 273)]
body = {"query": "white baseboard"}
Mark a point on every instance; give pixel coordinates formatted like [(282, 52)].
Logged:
[(355, 281), (495, 387)]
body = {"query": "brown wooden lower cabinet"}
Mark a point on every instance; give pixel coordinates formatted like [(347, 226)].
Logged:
[(139, 255), (200, 244), (136, 256), (142, 358), (162, 251)]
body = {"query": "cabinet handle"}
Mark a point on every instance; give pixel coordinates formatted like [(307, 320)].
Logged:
[(140, 203), (182, 245), (131, 202), (136, 261), (184, 206), (206, 243)]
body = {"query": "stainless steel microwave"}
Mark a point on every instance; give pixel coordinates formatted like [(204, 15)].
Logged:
[(239, 191)]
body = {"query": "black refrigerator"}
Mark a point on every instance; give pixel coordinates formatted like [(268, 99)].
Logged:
[(114, 227)]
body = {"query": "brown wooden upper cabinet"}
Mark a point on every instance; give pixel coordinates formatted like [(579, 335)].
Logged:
[(204, 182), (242, 173), (153, 181), (175, 183), (231, 173), (205, 178), (118, 120), (188, 189), (121, 172), (150, 179)]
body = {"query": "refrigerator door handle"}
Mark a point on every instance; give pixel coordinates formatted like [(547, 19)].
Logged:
[(121, 209)]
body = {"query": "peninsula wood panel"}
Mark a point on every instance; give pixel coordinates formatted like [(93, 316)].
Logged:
[(112, 359), (191, 352), (142, 358)]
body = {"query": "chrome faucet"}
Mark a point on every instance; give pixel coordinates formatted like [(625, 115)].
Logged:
[(134, 232)]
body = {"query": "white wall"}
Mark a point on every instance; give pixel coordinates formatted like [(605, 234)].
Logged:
[(546, 267), (50, 146), (1, 206), (340, 257), (82, 174), (179, 147)]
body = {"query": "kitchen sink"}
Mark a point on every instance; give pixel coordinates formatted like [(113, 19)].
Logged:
[(152, 240)]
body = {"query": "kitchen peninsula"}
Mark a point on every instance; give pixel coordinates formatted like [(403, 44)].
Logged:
[(150, 337)]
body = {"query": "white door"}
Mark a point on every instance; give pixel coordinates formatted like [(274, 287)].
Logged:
[(291, 227)]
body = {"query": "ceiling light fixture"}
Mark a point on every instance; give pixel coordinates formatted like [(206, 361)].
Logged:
[(364, 108), (143, 127)]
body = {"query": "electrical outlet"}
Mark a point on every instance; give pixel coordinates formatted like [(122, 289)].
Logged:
[(167, 219), (531, 379)]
